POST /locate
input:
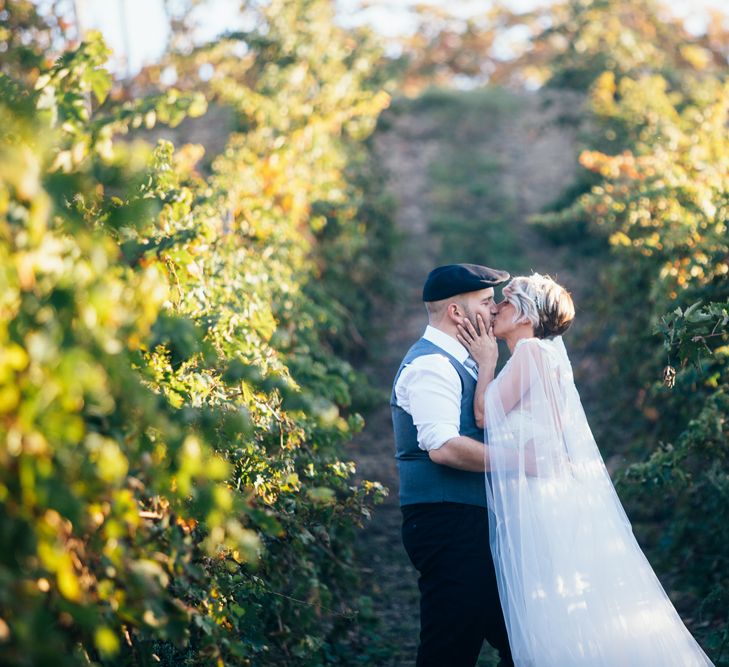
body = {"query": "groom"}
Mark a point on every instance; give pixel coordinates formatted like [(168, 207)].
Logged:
[(440, 456)]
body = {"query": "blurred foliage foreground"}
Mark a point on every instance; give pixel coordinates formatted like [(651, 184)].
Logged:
[(173, 390)]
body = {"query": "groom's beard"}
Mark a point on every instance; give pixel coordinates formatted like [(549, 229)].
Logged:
[(469, 315)]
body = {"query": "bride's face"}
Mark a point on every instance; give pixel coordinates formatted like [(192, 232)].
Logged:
[(503, 319)]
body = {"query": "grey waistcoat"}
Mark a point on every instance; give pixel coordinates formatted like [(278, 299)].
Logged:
[(421, 480)]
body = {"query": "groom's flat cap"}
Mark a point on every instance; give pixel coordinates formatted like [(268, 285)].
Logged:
[(453, 279)]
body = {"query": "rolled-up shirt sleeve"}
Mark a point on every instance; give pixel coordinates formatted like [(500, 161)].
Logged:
[(429, 389)]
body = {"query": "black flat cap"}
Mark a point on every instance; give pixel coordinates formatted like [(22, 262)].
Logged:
[(453, 279)]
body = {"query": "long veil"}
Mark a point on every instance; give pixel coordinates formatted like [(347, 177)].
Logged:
[(575, 586)]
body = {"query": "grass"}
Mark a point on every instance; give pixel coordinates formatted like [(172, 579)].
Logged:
[(470, 213)]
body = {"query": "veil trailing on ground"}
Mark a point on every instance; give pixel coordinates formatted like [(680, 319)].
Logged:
[(575, 586)]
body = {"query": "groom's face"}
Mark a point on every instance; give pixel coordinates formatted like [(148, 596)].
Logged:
[(480, 303)]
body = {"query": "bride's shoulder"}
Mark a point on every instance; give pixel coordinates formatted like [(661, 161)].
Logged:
[(531, 348), (534, 344), (529, 345), (525, 349)]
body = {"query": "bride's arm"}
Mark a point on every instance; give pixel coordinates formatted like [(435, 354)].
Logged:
[(484, 380), (483, 348), (513, 381)]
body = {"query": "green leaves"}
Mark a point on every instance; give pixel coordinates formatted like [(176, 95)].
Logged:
[(697, 333), (62, 89)]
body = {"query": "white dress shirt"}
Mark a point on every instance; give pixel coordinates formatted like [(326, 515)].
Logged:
[(429, 390)]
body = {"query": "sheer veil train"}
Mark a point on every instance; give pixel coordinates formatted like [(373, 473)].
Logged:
[(574, 584)]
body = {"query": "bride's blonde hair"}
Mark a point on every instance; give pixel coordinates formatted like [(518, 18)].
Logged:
[(541, 302)]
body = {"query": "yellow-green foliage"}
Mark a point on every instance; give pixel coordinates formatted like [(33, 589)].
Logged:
[(585, 38), (172, 408)]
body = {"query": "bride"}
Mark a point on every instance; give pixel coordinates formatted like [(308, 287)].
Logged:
[(574, 584)]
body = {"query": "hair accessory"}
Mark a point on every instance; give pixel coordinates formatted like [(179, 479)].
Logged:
[(539, 284)]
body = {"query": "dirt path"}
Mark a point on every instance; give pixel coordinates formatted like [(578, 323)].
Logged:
[(535, 149)]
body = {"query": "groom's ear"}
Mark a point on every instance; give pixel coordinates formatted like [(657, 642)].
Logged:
[(453, 310)]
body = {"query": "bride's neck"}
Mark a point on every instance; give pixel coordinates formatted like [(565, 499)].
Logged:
[(516, 336)]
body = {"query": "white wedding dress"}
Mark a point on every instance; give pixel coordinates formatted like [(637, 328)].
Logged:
[(574, 584)]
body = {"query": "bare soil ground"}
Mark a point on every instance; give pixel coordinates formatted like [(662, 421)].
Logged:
[(536, 148)]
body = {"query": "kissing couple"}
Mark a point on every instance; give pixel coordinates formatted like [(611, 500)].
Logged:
[(509, 514)]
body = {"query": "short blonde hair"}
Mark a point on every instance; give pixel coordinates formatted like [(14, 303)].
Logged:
[(541, 302)]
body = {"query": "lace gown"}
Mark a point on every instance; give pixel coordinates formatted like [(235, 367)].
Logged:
[(574, 584)]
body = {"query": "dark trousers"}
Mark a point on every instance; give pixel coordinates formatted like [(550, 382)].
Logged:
[(448, 543)]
